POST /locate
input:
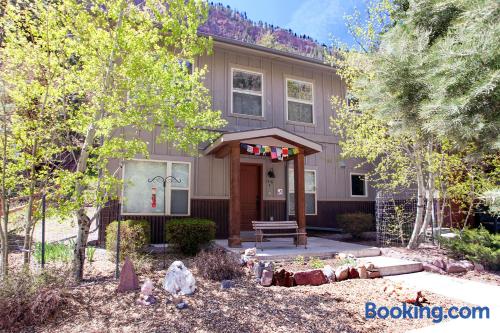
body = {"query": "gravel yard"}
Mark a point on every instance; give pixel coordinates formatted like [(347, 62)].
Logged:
[(248, 307)]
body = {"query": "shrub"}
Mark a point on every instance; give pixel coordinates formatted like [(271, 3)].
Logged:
[(317, 263), (217, 265), (28, 299), (355, 223), (190, 234), (477, 245), (134, 236), (299, 260)]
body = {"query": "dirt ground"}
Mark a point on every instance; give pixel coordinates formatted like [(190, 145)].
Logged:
[(248, 307)]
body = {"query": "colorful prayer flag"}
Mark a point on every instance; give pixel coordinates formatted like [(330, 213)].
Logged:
[(273, 153), (285, 151), (249, 149)]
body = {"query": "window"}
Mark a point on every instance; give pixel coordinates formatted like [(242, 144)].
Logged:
[(358, 185), (137, 199), (246, 90), (310, 189), (299, 96)]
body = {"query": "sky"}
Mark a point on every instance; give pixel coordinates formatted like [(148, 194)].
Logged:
[(318, 19)]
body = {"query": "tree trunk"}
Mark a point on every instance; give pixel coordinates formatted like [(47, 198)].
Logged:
[(31, 204), (81, 244), (81, 168), (428, 207), (4, 239), (413, 243), (4, 203)]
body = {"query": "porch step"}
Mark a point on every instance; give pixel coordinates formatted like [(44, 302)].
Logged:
[(394, 266)]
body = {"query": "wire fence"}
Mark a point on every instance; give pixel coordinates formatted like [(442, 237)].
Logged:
[(395, 217)]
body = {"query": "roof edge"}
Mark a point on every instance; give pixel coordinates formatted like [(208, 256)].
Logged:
[(234, 42)]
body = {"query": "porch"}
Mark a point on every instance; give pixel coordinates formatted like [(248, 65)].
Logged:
[(283, 249), (245, 197)]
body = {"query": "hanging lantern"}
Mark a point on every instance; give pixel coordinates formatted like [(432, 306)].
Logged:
[(153, 197)]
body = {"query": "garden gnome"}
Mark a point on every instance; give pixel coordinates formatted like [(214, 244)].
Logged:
[(128, 278), (147, 297)]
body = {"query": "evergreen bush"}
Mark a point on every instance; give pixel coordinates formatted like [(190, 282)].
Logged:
[(477, 245), (189, 234), (134, 236), (355, 223)]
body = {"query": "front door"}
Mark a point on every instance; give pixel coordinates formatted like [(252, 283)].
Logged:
[(251, 194)]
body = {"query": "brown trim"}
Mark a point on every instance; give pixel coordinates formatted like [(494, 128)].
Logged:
[(260, 182), (299, 194), (234, 201)]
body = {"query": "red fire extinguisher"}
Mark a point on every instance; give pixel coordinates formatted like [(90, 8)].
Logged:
[(153, 197)]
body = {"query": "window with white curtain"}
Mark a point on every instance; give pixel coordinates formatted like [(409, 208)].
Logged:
[(137, 193), (310, 192), (247, 92), (299, 97)]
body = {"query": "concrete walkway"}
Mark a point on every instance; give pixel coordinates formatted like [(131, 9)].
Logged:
[(473, 292)]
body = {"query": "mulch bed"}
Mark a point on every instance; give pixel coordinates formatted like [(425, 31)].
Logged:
[(248, 307)]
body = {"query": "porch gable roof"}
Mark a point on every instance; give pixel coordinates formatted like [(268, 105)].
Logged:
[(309, 147)]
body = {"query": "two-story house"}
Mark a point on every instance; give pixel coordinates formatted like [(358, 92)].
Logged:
[(277, 159)]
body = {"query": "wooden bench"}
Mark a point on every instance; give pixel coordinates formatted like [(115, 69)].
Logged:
[(276, 229)]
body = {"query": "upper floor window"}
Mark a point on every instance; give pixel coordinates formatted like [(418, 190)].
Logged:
[(358, 185), (246, 90), (299, 97)]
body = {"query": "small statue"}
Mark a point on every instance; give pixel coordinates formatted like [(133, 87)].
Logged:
[(147, 297)]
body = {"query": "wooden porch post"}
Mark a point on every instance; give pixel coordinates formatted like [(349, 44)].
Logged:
[(234, 193), (300, 200)]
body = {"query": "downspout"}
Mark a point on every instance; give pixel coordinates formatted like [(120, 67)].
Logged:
[(287, 203)]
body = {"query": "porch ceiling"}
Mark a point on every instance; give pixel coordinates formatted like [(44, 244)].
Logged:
[(265, 136)]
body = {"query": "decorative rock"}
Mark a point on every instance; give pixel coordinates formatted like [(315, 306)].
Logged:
[(478, 267), (250, 264), (128, 278), (284, 278), (353, 273), (251, 252), (362, 272), (329, 272), (373, 274), (179, 280), (257, 269), (147, 297), (269, 266), (181, 305), (267, 278), (147, 287), (455, 267), (467, 264), (341, 255), (369, 266), (432, 268), (314, 278), (226, 284), (440, 263), (342, 273)]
